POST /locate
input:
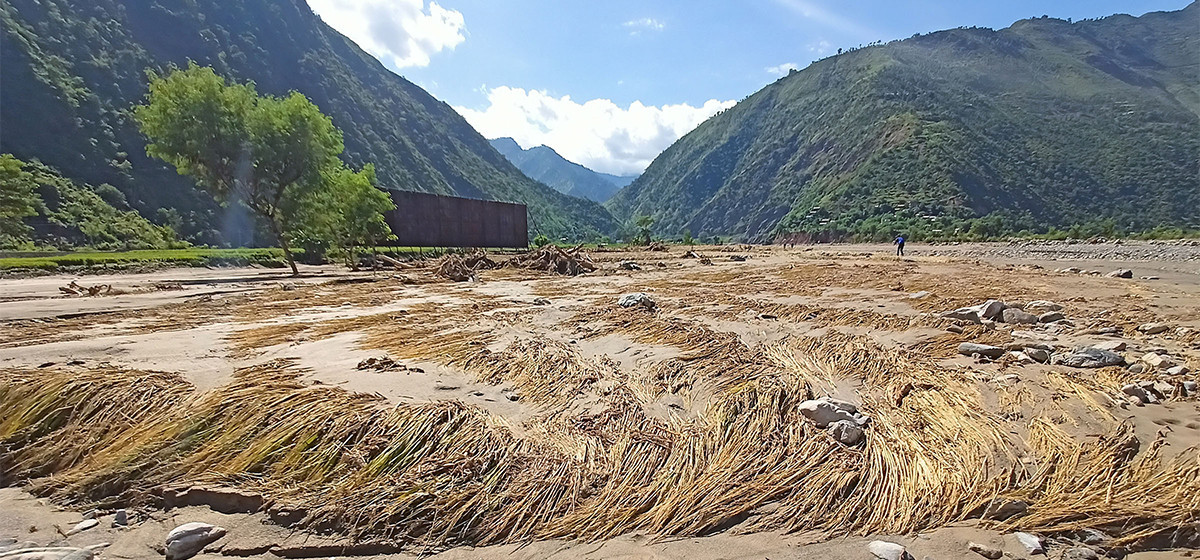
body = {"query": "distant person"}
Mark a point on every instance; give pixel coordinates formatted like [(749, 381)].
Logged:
[(899, 245)]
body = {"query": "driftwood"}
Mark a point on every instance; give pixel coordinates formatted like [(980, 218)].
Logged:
[(554, 259), (461, 268), (74, 289)]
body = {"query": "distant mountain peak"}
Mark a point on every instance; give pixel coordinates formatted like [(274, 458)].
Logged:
[(545, 164)]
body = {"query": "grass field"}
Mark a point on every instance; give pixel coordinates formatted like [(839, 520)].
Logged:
[(183, 257)]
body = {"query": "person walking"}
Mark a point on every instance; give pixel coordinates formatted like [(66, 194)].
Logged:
[(899, 245)]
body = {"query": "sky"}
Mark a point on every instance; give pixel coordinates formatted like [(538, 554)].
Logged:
[(611, 83)]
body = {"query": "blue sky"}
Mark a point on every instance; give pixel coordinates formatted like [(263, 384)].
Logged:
[(611, 83)]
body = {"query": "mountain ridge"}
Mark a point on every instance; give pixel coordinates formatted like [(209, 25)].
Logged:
[(544, 164)]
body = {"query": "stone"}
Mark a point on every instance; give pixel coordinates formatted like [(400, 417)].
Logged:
[(971, 349), (1001, 509), (120, 518), (188, 539), (1038, 355), (1033, 544), (630, 265), (1031, 335), (10, 545), (1178, 370), (969, 315), (1111, 345), (1138, 367), (1042, 306), (1141, 394), (985, 551), (638, 299), (1088, 358), (224, 500), (846, 432), (1018, 317), (991, 309), (1021, 358), (1153, 328), (1051, 316), (825, 411), (540, 301), (83, 526), (1190, 387), (49, 553), (1080, 553), (919, 295), (1070, 270), (1157, 361), (955, 329), (883, 550), (1120, 273)]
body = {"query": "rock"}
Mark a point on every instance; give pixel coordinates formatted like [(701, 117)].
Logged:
[(884, 550), (514, 397), (638, 299), (540, 301), (1111, 345), (1190, 387), (1134, 390), (186, 540), (985, 551), (1120, 273), (1001, 509), (630, 265), (1031, 335), (1042, 306), (12, 545), (1153, 328), (1088, 358), (1138, 367), (1070, 270), (971, 349), (1157, 361), (964, 314), (1050, 317), (1021, 358), (1149, 278), (1080, 553), (1178, 370), (83, 526), (955, 329), (1017, 316), (49, 553), (846, 432), (1032, 543), (919, 295), (120, 518), (1038, 355), (224, 500), (825, 411)]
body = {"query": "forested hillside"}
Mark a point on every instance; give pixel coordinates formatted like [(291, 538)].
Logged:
[(544, 164), (1047, 123), (72, 69)]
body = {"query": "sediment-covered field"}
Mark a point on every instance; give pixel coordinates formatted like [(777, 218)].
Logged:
[(755, 402)]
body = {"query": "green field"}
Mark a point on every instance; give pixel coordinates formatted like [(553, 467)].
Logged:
[(272, 258)]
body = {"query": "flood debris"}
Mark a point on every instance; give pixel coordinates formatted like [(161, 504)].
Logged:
[(555, 259)]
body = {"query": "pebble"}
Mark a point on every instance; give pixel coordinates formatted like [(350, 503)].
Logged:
[(1157, 361), (825, 411), (1178, 370), (1111, 345), (541, 301), (1018, 316)]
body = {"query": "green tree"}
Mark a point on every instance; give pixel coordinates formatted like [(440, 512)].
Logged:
[(18, 200), (271, 154), (346, 214), (643, 224)]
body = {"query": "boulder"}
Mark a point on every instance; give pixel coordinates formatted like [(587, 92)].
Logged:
[(964, 314), (1120, 273), (1178, 370), (1136, 391), (1157, 361), (825, 411), (1038, 355), (1032, 543), (846, 432), (1153, 328), (1138, 367), (1013, 315), (1041, 306), (991, 309), (883, 550), (1088, 358), (188, 539), (1111, 345), (638, 299), (985, 551), (1050, 317), (971, 349)]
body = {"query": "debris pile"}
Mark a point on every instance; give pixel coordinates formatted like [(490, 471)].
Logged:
[(554, 259), (465, 268), (74, 289), (382, 363)]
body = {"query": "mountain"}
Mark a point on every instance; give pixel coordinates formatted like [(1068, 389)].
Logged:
[(1047, 123), (72, 69), (544, 164)]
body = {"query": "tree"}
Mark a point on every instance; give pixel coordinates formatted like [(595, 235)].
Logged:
[(18, 200), (273, 155), (347, 213), (643, 224)]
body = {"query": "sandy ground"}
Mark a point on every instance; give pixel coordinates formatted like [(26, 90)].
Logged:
[(206, 324)]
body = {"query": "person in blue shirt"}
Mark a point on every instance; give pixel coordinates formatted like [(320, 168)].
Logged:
[(899, 245)]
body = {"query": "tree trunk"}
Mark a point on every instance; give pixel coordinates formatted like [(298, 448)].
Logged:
[(283, 244)]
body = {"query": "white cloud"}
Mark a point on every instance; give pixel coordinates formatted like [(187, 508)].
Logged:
[(812, 10), (820, 47), (401, 33), (598, 134), (782, 69), (636, 26)]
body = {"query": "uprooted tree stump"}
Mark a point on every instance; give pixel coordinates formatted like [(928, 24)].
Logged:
[(461, 268), (554, 259)]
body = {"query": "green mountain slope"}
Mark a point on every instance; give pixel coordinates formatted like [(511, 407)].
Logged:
[(71, 69), (544, 164), (1046, 123)]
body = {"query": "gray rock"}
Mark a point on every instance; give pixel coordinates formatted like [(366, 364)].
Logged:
[(49, 553), (1190, 387), (825, 411), (11, 544), (630, 265), (1137, 368), (971, 348), (1038, 355), (919, 295), (991, 309), (985, 551), (1178, 370), (540, 301), (1002, 509), (1050, 317), (1042, 306), (955, 329), (1018, 316), (1157, 361), (1153, 328), (120, 518), (1088, 358), (82, 526), (969, 315), (1092, 536), (846, 432), (188, 539), (1137, 392), (1111, 345), (883, 550), (638, 299), (1080, 553), (1121, 273), (1033, 544)]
